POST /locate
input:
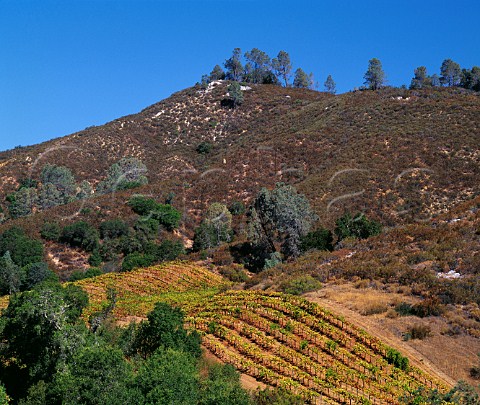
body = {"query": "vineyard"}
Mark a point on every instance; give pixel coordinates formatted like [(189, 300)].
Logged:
[(279, 339), (138, 290), (290, 342)]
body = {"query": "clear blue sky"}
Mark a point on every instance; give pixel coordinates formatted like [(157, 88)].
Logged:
[(66, 65)]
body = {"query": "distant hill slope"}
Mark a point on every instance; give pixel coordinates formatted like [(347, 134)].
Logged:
[(399, 154)]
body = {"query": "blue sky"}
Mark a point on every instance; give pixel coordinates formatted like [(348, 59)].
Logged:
[(67, 65)]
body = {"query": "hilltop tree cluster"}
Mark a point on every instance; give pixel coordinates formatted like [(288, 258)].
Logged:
[(451, 75), (257, 67)]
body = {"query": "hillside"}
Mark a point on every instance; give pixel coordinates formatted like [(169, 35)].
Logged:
[(401, 155), (408, 159)]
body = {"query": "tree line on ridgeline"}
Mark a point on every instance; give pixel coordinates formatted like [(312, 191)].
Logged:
[(257, 67)]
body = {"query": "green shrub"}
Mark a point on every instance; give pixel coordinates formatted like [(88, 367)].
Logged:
[(320, 239), (51, 231), (237, 208), (234, 273), (204, 148), (95, 258), (165, 214), (81, 234), (80, 275), (300, 285), (136, 260), (276, 396), (395, 358), (358, 226), (142, 205), (167, 250), (112, 229)]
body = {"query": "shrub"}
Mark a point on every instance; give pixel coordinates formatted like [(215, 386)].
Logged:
[(165, 214), (135, 260), (357, 226), (475, 371), (234, 273), (320, 239), (237, 208), (112, 229), (142, 205), (276, 396), (147, 228), (126, 173), (165, 251), (395, 358), (300, 285), (418, 332), (80, 275), (204, 148), (51, 231), (95, 258), (428, 307), (81, 234)]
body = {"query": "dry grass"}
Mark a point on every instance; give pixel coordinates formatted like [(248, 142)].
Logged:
[(451, 355)]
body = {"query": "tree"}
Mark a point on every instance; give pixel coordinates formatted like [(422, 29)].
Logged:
[(169, 377), (471, 78), (126, 173), (236, 94), (35, 273), (451, 73), (435, 80), (23, 250), (375, 76), (39, 332), (164, 329), (282, 66), (421, 79), (61, 177), (11, 275), (50, 196), (234, 66), (97, 375), (214, 229), (302, 80), (330, 86), (281, 216), (260, 63), (217, 74), (22, 202), (223, 387)]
